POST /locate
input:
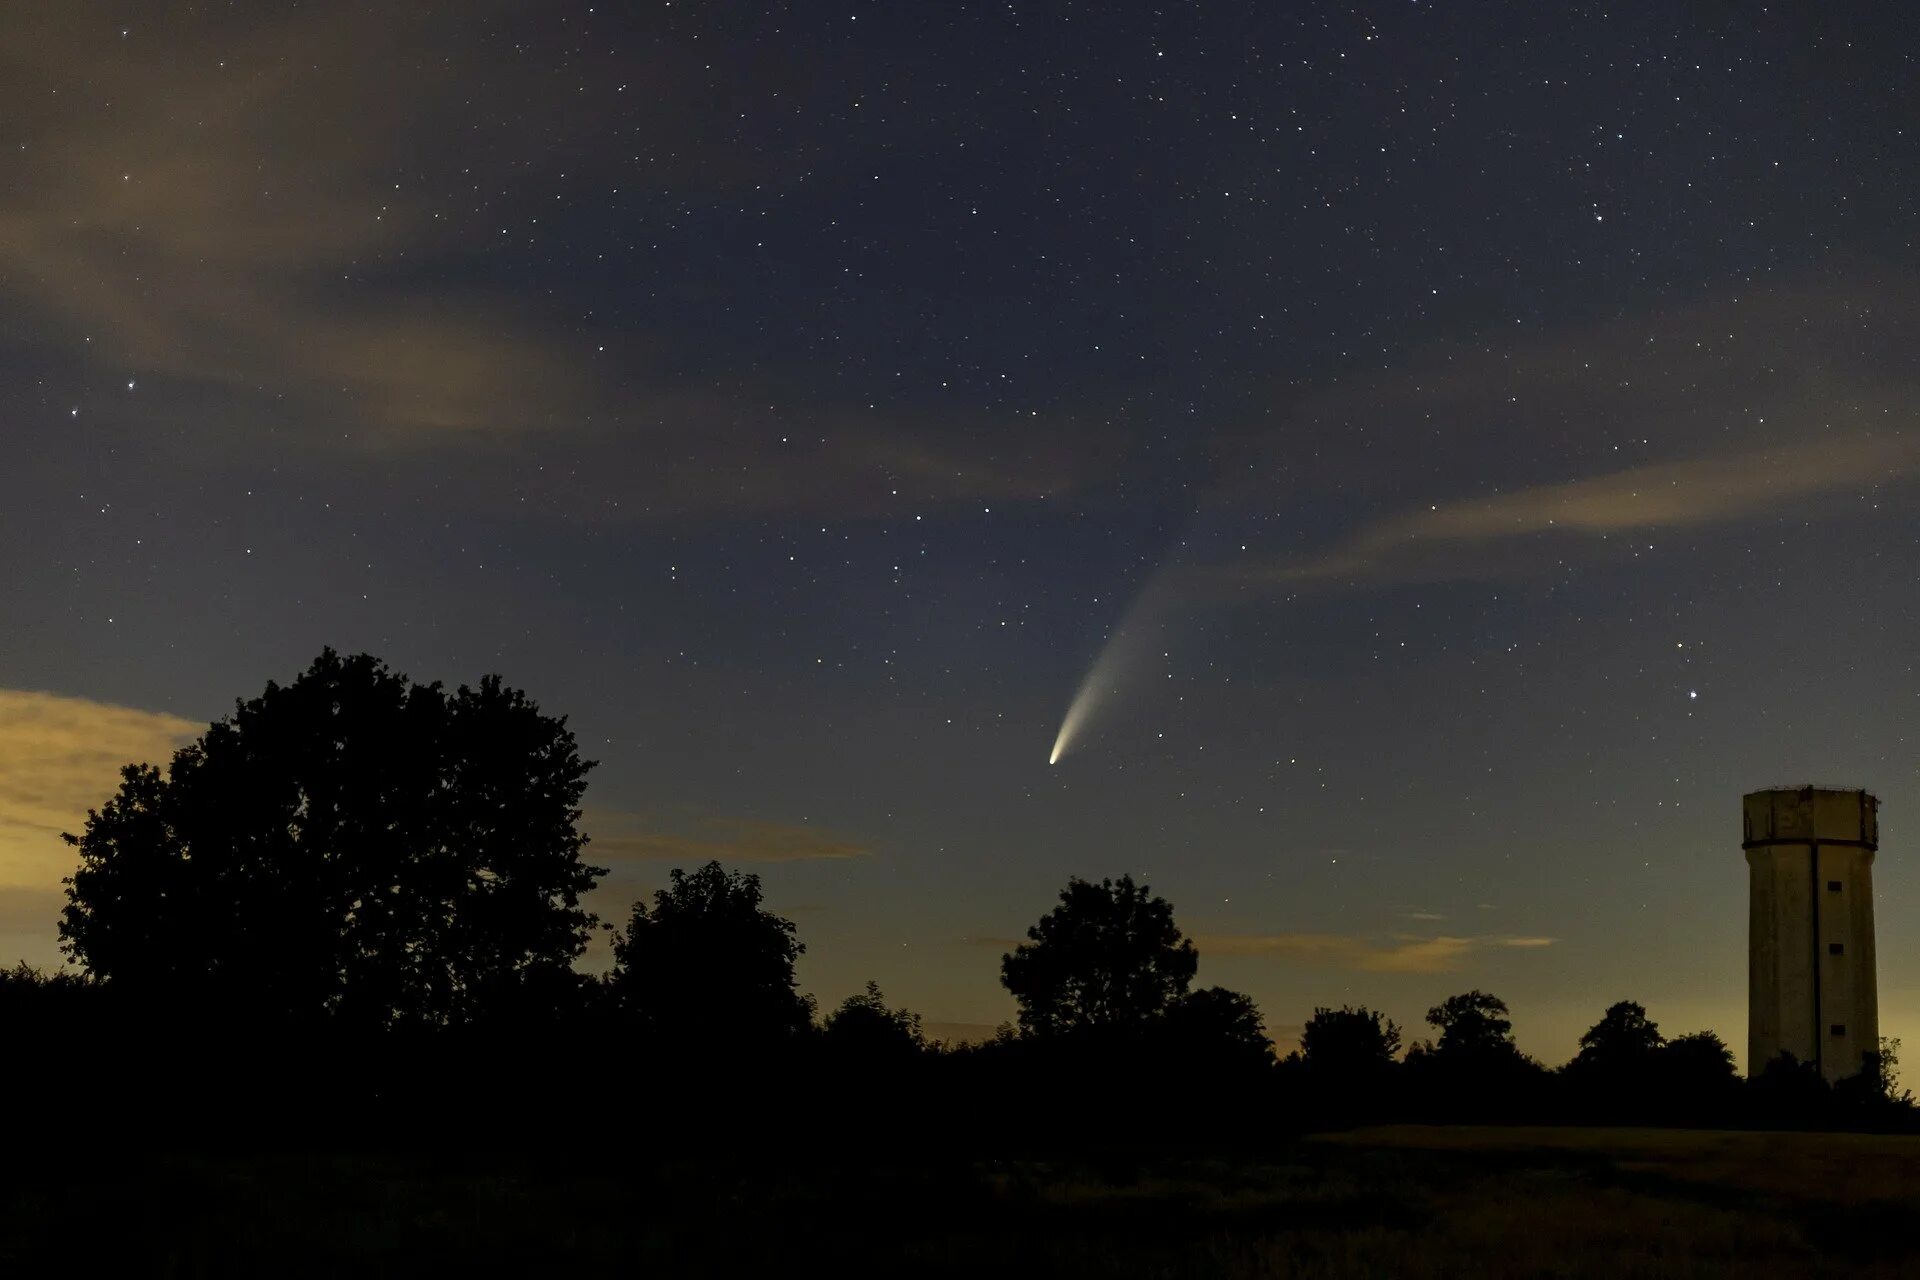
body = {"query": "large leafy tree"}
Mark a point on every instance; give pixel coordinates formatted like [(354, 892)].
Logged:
[(708, 967), (1109, 957), (351, 845)]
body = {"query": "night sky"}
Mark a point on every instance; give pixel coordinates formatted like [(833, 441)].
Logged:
[(1486, 432)]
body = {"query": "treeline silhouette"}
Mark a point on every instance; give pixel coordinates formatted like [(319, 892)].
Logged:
[(352, 908)]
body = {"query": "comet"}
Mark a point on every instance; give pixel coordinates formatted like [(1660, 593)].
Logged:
[(1130, 641)]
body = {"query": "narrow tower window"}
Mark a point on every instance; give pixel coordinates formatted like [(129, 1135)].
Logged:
[(1836, 948), (1838, 1029), (1833, 886)]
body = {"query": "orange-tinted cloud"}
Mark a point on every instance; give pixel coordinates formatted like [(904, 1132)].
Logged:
[(59, 757), (1398, 954)]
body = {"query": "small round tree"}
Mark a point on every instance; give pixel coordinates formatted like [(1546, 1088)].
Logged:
[(1623, 1042), (1349, 1043), (1109, 957), (351, 846), (708, 970), (1474, 1025), (864, 1029), (1215, 1027)]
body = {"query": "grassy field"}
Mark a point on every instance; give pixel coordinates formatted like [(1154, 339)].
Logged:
[(1409, 1201), (1645, 1202)]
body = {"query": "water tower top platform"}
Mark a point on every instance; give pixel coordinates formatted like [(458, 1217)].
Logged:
[(1812, 815)]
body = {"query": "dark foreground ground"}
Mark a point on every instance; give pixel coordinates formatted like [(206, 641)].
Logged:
[(1408, 1201)]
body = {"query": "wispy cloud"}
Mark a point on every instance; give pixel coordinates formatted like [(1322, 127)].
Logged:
[(1739, 367), (60, 756), (1365, 954), (282, 210), (165, 219), (1521, 449), (1427, 542), (618, 839)]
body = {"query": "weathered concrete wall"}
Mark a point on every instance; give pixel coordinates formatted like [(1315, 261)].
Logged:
[(1811, 987)]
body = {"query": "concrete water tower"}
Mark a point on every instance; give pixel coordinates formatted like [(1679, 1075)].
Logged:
[(1810, 970)]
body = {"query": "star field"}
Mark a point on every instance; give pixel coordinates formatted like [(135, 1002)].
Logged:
[(1507, 411)]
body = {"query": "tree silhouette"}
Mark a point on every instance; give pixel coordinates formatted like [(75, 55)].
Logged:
[(1346, 1066), (1790, 1091), (1696, 1078), (1886, 1072), (1216, 1029), (864, 1028), (351, 845), (1474, 1025), (1475, 1071), (1876, 1086), (1349, 1042), (1624, 1040), (1617, 1074), (1701, 1056), (1108, 957), (708, 968)]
